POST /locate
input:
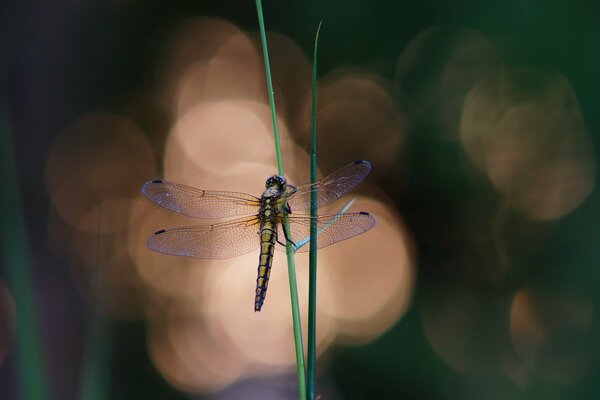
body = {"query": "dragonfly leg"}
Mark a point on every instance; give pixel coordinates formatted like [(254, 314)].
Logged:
[(287, 238), (290, 241)]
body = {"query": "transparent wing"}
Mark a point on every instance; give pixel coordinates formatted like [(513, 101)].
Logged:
[(224, 240), (330, 228), (199, 203), (331, 187)]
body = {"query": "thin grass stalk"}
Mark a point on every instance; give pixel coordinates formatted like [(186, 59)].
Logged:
[(312, 261), (94, 378), (263, 40), (14, 246), (289, 250)]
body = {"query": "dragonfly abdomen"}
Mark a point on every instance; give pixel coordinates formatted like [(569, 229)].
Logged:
[(267, 247)]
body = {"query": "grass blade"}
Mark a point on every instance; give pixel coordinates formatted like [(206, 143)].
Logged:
[(312, 261), (17, 266), (289, 251)]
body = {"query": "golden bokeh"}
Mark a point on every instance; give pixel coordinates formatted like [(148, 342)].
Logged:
[(349, 311), (189, 357), (524, 129), (208, 60), (482, 260), (231, 297), (291, 75), (357, 119), (366, 284), (98, 160), (93, 173), (215, 139), (214, 132), (170, 280)]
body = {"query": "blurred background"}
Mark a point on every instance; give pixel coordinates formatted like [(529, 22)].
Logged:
[(479, 281)]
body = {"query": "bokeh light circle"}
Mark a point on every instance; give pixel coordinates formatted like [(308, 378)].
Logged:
[(357, 119), (366, 283), (97, 158), (524, 129), (551, 332)]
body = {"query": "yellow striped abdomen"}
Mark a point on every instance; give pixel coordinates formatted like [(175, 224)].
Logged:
[(267, 247)]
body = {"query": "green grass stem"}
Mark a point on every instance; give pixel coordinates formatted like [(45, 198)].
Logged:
[(17, 265), (289, 250), (263, 40), (312, 261), (94, 378), (94, 381)]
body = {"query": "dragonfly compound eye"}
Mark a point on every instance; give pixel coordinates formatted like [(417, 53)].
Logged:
[(280, 181), (271, 181)]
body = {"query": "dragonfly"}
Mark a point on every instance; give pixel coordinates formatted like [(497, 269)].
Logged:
[(260, 219)]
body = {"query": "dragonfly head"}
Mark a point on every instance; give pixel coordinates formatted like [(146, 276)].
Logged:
[(276, 182)]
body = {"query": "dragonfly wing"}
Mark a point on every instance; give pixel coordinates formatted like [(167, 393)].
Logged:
[(224, 240), (330, 228), (199, 203), (331, 187)]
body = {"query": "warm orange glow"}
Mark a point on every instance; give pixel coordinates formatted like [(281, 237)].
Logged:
[(189, 356), (209, 60), (169, 279), (93, 172), (214, 132), (524, 129), (357, 119), (366, 284), (364, 311), (228, 145), (229, 296), (221, 293), (100, 159), (551, 333), (7, 321), (291, 75), (231, 311), (220, 138)]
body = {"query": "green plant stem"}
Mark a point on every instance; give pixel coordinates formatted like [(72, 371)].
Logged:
[(94, 378), (14, 246), (263, 40), (289, 251), (94, 381), (312, 262)]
